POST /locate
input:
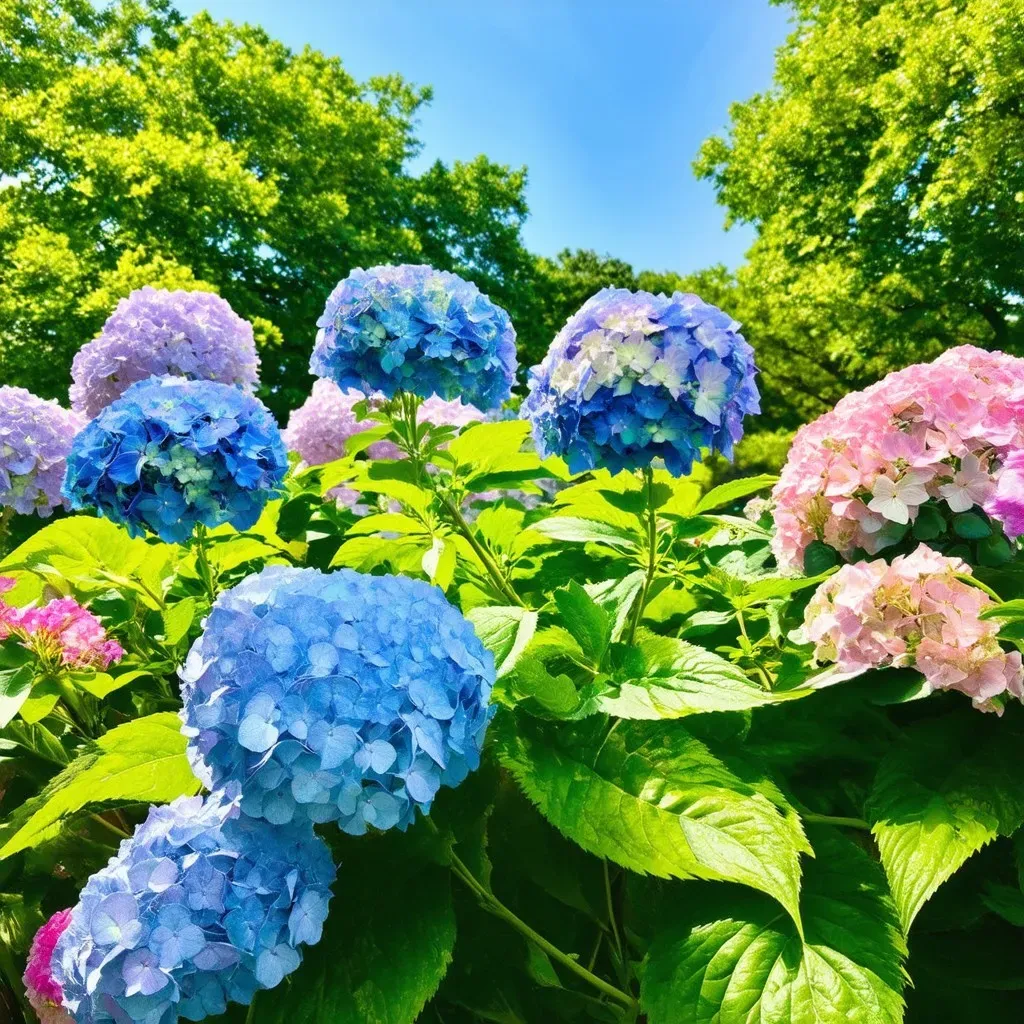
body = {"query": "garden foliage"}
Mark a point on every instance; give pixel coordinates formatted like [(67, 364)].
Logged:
[(578, 746)]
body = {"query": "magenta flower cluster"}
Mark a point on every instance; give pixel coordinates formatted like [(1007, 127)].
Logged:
[(1007, 503), (43, 990), (935, 432), (912, 613), (35, 438), (59, 633), (153, 333)]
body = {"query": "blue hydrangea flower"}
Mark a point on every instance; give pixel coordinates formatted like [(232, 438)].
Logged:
[(336, 696), (201, 907), (634, 376), (171, 453), (416, 329)]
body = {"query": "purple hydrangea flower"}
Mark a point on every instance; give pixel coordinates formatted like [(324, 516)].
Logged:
[(155, 332), (171, 453), (1007, 504), (416, 329), (336, 697), (634, 376), (35, 438), (200, 907)]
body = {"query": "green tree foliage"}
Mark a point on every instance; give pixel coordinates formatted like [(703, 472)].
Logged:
[(884, 172), (139, 147)]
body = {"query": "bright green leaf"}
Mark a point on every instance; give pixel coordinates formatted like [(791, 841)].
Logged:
[(178, 619), (505, 631), (729, 493), (586, 620)]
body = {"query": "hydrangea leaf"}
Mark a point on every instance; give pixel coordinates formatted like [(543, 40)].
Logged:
[(729, 493), (589, 623), (140, 762), (177, 619), (381, 958), (572, 529), (505, 631), (658, 802), (947, 790), (682, 679), (744, 961)]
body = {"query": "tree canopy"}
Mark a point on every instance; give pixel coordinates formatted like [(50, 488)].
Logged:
[(884, 172)]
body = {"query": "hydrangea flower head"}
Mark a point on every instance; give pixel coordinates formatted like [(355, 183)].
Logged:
[(35, 438), (1006, 503), (415, 329), (62, 632), (932, 433), (632, 377), (913, 613), (43, 991), (200, 907), (171, 453), (153, 333), (336, 697)]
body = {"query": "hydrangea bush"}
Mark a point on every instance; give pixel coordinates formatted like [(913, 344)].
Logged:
[(35, 438), (699, 753), (172, 453), (156, 333)]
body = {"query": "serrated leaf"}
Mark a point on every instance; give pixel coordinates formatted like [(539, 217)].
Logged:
[(948, 789), (589, 624), (555, 694), (505, 631), (570, 528), (729, 493), (683, 679), (142, 761), (386, 945), (743, 962), (178, 619), (616, 597), (657, 801), (777, 586)]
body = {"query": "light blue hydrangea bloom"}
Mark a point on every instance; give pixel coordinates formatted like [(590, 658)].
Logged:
[(201, 907), (634, 376), (171, 453), (336, 696), (416, 329)]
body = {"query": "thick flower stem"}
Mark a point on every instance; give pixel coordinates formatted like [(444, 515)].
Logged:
[(203, 563), (496, 907), (652, 555), (830, 819)]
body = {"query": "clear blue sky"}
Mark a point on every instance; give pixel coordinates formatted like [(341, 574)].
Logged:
[(605, 101)]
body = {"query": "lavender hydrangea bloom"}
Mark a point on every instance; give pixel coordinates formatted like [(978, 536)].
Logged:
[(416, 329), (200, 907), (171, 453), (336, 696), (35, 438), (634, 376), (153, 333)]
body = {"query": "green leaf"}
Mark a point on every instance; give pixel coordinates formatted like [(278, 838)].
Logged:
[(657, 801), (486, 446), (42, 699), (386, 945), (142, 761), (929, 524), (505, 631), (738, 960), (616, 597), (438, 562), (729, 493), (819, 557), (771, 587), (386, 522), (1008, 611), (569, 528), (555, 694), (17, 670), (971, 526), (589, 624), (102, 684), (178, 620), (952, 786), (683, 679)]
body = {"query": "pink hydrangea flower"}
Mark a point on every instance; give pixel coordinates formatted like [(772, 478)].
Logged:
[(43, 991), (1007, 503), (318, 429), (60, 633), (933, 432), (913, 613)]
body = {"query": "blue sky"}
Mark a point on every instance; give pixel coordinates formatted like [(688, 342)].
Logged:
[(605, 101)]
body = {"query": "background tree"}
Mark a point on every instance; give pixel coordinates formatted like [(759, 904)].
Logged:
[(139, 147), (884, 173)]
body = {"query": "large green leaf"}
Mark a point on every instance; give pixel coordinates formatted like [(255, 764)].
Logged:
[(731, 492), (588, 623), (386, 946), (657, 801), (950, 787), (682, 679), (737, 959), (570, 528), (140, 762), (504, 631)]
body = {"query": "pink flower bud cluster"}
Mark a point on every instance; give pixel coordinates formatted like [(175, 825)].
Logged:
[(60, 633), (937, 432), (43, 990), (913, 613)]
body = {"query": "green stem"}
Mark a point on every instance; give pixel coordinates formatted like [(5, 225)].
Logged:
[(203, 563), (830, 819), (74, 707), (652, 556), (762, 675), (616, 940), (496, 907), (110, 826), (250, 1017), (975, 582)]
